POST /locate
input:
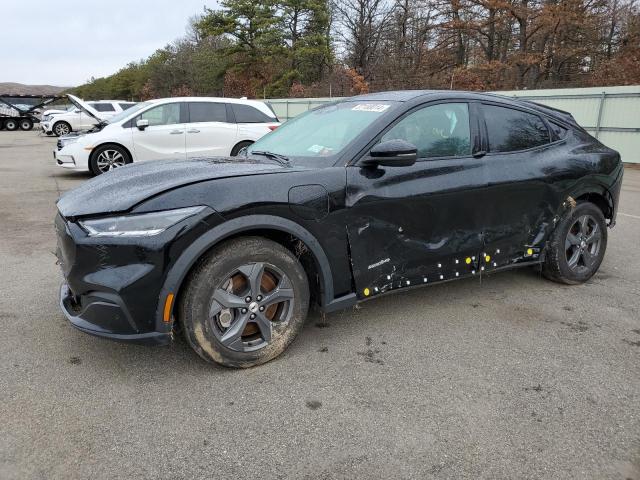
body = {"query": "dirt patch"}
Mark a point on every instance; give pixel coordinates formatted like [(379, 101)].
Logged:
[(313, 404), (580, 326), (370, 354)]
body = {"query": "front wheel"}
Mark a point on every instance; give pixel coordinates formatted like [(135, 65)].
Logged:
[(577, 246), (108, 157), (61, 128), (244, 303)]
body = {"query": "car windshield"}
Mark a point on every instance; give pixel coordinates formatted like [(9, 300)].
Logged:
[(128, 112), (321, 133)]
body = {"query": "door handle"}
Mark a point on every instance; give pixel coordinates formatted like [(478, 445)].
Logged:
[(193, 130), (176, 132)]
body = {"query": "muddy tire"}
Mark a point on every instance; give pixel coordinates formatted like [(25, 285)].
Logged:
[(244, 302), (238, 148), (577, 246)]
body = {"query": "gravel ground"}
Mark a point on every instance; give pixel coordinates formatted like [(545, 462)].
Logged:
[(514, 378)]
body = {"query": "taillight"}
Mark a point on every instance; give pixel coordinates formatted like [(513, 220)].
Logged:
[(273, 127)]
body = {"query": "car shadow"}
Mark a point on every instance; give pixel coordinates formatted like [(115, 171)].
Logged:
[(73, 175)]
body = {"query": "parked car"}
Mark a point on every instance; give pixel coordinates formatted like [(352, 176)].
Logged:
[(176, 128), (47, 114), (375, 194), (84, 115)]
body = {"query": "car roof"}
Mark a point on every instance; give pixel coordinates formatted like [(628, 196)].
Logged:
[(410, 95), (259, 104), (109, 101), (208, 99)]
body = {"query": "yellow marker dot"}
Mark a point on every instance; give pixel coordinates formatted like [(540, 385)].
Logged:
[(487, 258), (366, 292), (467, 260), (529, 251)]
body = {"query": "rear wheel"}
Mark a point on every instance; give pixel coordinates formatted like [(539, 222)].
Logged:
[(26, 124), (108, 157), (61, 128), (11, 124), (238, 148), (577, 246), (245, 302)]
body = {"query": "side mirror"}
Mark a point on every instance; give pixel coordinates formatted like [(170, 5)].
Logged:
[(142, 124), (77, 110), (392, 153)]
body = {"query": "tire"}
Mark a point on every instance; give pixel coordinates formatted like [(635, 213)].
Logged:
[(26, 124), (236, 150), (11, 124), (228, 336), (577, 246), (108, 157), (61, 128)]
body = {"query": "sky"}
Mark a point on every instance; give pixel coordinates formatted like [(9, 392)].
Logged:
[(67, 42)]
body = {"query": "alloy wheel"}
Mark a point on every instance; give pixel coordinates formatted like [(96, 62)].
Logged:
[(582, 245), (62, 129), (251, 306), (109, 159)]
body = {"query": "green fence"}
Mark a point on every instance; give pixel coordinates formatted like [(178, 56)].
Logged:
[(611, 114)]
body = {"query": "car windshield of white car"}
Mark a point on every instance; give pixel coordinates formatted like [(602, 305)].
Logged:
[(128, 112)]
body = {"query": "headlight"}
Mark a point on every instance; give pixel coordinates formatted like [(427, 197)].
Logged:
[(140, 225), (64, 141)]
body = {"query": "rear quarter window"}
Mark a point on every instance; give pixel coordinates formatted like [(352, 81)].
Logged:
[(558, 130), (511, 130), (249, 114)]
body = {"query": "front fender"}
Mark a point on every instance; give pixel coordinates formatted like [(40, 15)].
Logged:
[(175, 277)]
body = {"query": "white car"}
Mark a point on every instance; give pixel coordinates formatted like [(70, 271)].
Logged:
[(177, 128), (77, 119)]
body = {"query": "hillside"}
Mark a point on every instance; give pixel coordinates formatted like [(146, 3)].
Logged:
[(21, 89)]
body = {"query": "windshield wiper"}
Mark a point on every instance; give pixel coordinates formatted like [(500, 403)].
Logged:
[(281, 159)]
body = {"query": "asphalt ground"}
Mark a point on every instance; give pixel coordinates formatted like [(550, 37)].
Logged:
[(516, 377)]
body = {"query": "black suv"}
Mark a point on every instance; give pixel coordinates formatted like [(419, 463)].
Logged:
[(358, 198)]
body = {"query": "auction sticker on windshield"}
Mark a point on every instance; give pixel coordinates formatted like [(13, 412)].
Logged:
[(371, 107)]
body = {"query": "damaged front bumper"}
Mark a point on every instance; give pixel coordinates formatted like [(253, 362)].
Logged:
[(112, 286), (105, 315)]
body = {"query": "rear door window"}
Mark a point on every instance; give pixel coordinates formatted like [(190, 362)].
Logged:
[(104, 107), (207, 112), (511, 130), (249, 114)]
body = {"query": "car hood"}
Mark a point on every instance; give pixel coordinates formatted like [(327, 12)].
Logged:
[(125, 187), (85, 107)]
